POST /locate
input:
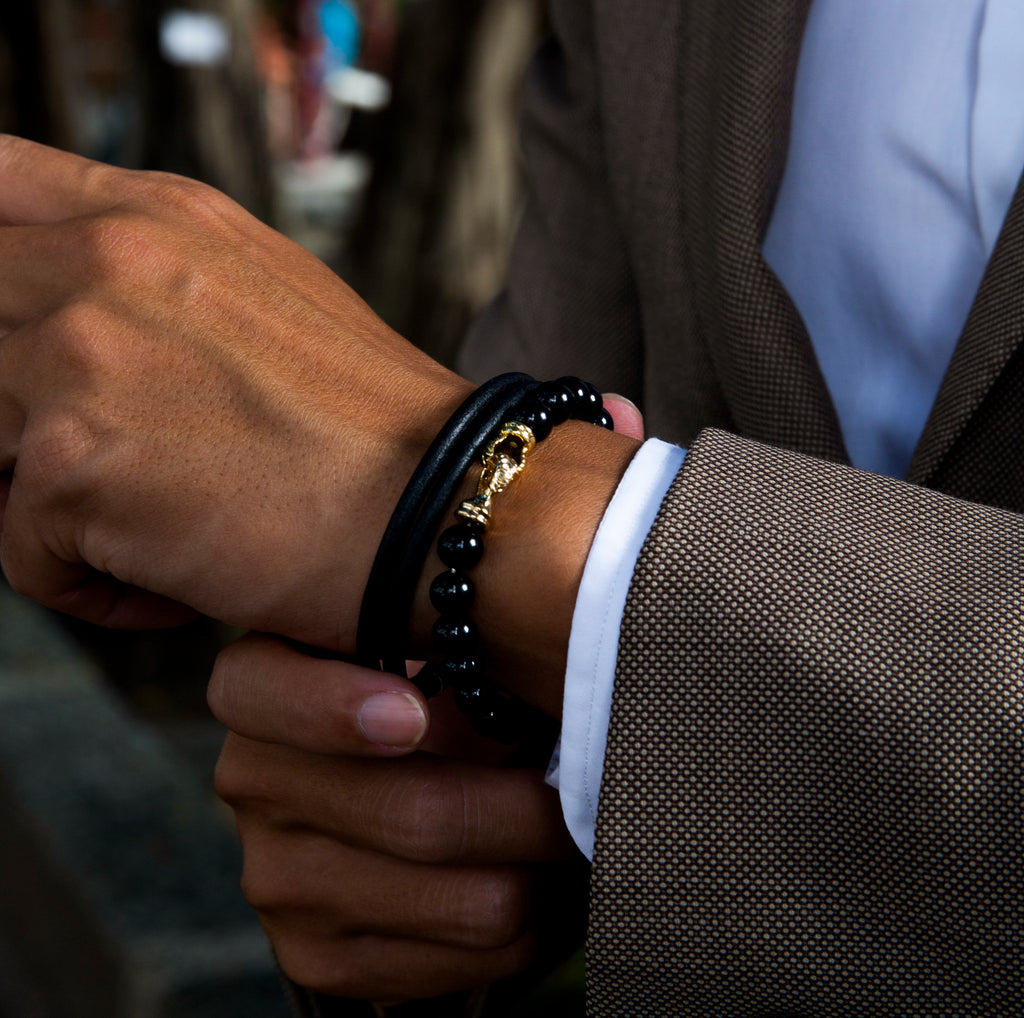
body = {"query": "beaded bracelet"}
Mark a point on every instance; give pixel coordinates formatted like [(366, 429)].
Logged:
[(390, 587), (492, 711)]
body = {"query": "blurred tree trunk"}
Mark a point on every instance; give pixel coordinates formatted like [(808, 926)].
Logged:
[(430, 247), (203, 121), (34, 72)]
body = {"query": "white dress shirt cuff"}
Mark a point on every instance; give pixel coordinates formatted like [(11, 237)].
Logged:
[(578, 761)]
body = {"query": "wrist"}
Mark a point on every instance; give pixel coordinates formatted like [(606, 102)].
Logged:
[(395, 440), (537, 545)]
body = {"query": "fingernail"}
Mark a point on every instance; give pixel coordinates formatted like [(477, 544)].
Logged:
[(393, 719), (621, 399), (625, 415)]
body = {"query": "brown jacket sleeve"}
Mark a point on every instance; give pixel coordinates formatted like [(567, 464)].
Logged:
[(814, 785)]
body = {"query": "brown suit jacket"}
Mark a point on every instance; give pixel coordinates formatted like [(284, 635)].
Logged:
[(813, 786)]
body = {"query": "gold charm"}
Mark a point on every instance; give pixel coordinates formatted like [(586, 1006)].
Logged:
[(503, 460)]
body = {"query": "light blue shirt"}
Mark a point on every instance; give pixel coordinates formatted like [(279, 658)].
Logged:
[(906, 146)]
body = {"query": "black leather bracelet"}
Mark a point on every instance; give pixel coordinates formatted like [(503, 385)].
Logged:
[(391, 586)]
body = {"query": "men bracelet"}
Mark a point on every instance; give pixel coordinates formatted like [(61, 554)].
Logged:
[(492, 711), (398, 564)]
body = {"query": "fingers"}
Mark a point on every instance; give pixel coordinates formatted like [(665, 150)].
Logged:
[(354, 923), (41, 569), (76, 589), (379, 968), (265, 689), (383, 879), (40, 184), (331, 889), (421, 808)]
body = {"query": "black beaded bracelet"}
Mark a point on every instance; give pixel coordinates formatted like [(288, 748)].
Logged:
[(492, 711)]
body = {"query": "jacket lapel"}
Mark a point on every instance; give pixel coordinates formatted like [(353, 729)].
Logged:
[(738, 65), (981, 390)]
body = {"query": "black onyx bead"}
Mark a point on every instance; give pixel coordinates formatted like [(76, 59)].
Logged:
[(496, 723), (586, 398), (452, 593), (536, 418), (475, 700), (462, 672), (461, 546), (454, 636), (490, 714), (430, 679), (557, 399), (603, 420)]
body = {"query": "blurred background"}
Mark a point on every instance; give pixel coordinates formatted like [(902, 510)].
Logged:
[(379, 134)]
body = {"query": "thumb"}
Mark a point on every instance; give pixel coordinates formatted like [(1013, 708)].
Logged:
[(265, 689)]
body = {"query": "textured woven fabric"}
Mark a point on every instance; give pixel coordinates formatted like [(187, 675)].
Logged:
[(814, 780), (971, 445)]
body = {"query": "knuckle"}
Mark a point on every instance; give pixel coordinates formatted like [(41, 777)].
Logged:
[(264, 887), (218, 697), (185, 198), (276, 878), (103, 180), (254, 888), (499, 908), (110, 243), (321, 967), (232, 778), (54, 464), (225, 780), (153, 187), (297, 959), (422, 812), (106, 182), (79, 342), (170, 189), (18, 578), (251, 785), (64, 439), (134, 246)]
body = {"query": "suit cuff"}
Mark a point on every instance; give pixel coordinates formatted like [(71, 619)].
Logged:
[(578, 760)]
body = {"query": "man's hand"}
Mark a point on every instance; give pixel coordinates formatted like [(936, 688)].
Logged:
[(197, 415), (191, 406), (383, 879)]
